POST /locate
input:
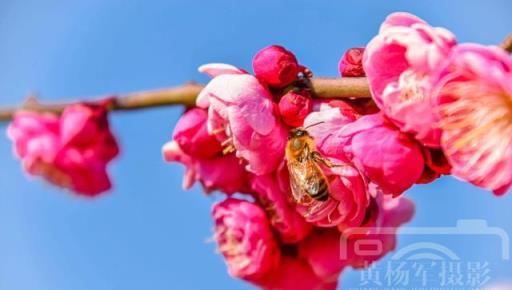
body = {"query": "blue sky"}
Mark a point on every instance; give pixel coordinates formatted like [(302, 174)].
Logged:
[(148, 233)]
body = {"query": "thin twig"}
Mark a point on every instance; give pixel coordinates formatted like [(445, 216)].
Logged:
[(187, 93), (332, 88), (507, 43)]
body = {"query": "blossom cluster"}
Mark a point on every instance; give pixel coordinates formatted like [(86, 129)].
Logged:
[(452, 97), (438, 108), (71, 151), (234, 141)]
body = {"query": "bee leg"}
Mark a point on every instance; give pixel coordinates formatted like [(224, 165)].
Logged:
[(317, 157)]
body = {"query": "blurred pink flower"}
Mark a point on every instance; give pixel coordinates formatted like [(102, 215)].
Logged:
[(295, 274), (351, 64), (322, 251), (388, 157), (245, 239), (244, 118), (281, 212), (401, 64), (276, 66), (72, 151), (475, 105), (294, 107)]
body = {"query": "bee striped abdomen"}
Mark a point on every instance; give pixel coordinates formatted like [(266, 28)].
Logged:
[(318, 190)]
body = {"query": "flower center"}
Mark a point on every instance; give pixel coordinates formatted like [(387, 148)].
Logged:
[(476, 110), (412, 85), (272, 213), (230, 246), (52, 174), (477, 125)]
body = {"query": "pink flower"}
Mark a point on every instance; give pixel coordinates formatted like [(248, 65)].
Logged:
[(244, 118), (294, 274), (476, 115), (294, 107), (401, 64), (385, 216), (192, 135), (245, 238), (322, 251), (274, 198), (71, 151), (327, 119), (276, 66), (348, 197), (351, 64), (385, 155), (203, 157)]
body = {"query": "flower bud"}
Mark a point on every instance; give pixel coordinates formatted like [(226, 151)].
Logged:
[(351, 64), (276, 66), (294, 107)]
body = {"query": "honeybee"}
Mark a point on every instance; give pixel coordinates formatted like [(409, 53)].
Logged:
[(308, 182)]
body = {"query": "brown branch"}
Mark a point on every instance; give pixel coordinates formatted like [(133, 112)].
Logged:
[(187, 93), (336, 88), (507, 44), (333, 88)]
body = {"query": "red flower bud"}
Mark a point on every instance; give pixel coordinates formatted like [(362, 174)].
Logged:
[(294, 107), (351, 64), (276, 66)]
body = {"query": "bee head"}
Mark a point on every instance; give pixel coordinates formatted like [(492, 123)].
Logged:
[(297, 133)]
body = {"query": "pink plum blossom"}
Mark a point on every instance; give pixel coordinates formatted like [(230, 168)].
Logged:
[(192, 135), (401, 63), (245, 239), (71, 151), (388, 157), (276, 66), (211, 172), (325, 120), (386, 214), (273, 196), (244, 118), (476, 115), (348, 199), (201, 154), (322, 251), (295, 274)]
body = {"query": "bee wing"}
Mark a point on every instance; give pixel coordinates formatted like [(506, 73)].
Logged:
[(296, 181), (305, 178)]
